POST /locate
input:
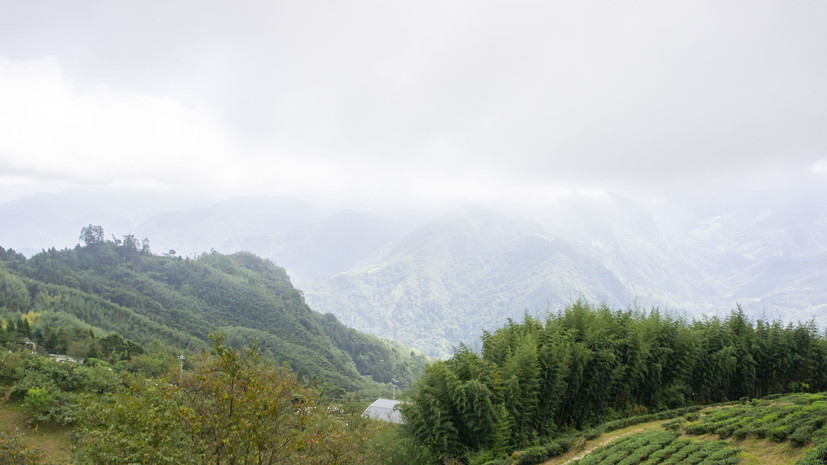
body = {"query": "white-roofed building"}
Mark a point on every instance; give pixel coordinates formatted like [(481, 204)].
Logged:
[(384, 410)]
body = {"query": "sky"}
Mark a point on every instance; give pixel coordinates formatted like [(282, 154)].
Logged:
[(412, 101)]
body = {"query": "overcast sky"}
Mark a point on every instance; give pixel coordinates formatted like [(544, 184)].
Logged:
[(411, 101)]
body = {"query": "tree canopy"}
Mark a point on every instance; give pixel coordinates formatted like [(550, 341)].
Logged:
[(587, 364)]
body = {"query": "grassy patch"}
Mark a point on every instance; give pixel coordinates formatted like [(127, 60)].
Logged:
[(51, 441), (762, 452)]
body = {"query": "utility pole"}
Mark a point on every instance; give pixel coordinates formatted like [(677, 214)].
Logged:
[(394, 381), (181, 370)]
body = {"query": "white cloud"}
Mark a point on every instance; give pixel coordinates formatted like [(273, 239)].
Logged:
[(422, 101), (53, 130), (819, 167), (60, 135)]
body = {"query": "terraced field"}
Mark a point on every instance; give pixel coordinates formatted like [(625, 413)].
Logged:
[(782, 430)]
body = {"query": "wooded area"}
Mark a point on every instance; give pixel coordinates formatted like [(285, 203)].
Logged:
[(587, 364)]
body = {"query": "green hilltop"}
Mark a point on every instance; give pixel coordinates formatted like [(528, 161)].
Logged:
[(120, 286)]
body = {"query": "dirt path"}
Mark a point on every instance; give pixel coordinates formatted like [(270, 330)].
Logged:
[(577, 453)]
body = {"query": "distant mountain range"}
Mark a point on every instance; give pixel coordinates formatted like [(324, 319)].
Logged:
[(439, 282), (459, 275)]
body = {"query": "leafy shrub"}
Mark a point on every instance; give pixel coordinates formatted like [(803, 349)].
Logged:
[(532, 455), (742, 432), (674, 425), (539, 454), (778, 433), (15, 449), (39, 400), (816, 456), (99, 379), (802, 435), (481, 457), (63, 410)]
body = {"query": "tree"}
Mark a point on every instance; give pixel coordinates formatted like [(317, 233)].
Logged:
[(91, 234), (145, 250), (13, 293), (131, 243), (232, 409)]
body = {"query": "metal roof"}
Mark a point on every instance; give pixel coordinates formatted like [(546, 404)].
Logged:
[(383, 409)]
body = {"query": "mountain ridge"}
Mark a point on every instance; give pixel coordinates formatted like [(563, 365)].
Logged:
[(117, 287), (700, 258)]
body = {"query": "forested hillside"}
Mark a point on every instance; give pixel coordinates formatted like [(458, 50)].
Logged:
[(585, 365), (121, 286), (440, 277), (459, 275)]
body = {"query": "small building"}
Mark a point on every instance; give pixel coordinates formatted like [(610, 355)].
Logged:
[(62, 358), (384, 410)]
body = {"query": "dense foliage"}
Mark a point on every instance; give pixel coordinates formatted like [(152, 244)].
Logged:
[(585, 365), (14, 449), (233, 408), (120, 286)]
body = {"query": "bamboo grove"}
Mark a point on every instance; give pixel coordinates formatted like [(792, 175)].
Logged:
[(589, 364)]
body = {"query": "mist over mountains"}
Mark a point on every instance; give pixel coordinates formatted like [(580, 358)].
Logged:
[(435, 282)]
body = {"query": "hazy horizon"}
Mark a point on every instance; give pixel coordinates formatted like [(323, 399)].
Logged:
[(677, 148)]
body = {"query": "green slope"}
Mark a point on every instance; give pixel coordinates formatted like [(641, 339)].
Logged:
[(784, 430), (116, 287)]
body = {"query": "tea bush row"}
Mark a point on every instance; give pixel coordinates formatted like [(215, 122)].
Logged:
[(795, 417), (661, 448)]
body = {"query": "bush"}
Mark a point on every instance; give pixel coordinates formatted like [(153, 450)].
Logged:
[(481, 457), (63, 410), (742, 432), (565, 443), (39, 400), (532, 455), (539, 454), (674, 425), (778, 433), (14, 449), (98, 379), (802, 435), (816, 456)]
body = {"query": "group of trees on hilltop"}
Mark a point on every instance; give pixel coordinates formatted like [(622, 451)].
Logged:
[(92, 235), (585, 365)]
